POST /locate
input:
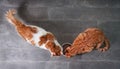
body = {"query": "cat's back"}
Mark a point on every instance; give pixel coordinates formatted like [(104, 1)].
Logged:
[(93, 32), (94, 35), (90, 35), (39, 30)]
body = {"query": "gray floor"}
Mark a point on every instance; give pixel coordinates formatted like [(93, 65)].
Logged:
[(66, 19)]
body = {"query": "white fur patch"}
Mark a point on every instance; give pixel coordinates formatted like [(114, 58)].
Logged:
[(36, 36), (43, 46)]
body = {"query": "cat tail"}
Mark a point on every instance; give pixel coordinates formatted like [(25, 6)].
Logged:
[(107, 44), (12, 19)]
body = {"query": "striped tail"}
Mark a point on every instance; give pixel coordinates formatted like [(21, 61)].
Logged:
[(11, 18), (107, 44)]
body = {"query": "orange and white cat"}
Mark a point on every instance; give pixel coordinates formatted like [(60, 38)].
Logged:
[(35, 35), (91, 38)]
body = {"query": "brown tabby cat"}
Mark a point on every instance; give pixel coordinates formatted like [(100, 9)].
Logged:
[(35, 35), (91, 38)]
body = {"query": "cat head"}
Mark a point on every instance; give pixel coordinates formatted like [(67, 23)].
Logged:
[(56, 51)]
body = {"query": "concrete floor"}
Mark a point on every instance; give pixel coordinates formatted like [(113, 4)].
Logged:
[(66, 19)]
